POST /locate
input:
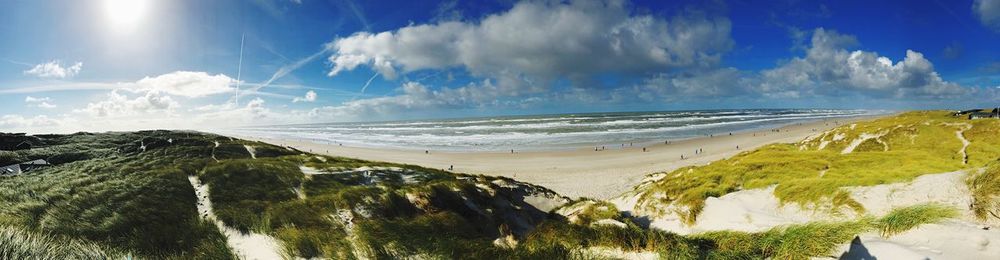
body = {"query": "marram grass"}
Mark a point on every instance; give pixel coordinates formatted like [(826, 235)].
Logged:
[(903, 219), (985, 188), (16, 243)]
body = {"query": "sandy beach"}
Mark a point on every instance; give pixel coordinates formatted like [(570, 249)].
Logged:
[(582, 172)]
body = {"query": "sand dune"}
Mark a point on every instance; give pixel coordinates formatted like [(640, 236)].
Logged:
[(583, 172)]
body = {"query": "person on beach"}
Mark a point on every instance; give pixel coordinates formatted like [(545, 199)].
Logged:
[(451, 167), (682, 157), (644, 149), (737, 147), (427, 152), (511, 151)]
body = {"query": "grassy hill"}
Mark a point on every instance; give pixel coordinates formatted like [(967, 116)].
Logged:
[(814, 172), (113, 195)]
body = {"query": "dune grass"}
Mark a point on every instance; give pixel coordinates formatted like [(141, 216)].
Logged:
[(128, 192), (800, 241), (124, 191), (813, 173), (985, 188), (16, 243), (903, 219)]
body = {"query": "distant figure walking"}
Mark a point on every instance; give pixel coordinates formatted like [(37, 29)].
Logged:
[(682, 157), (451, 167), (737, 147), (511, 150), (644, 149), (427, 152)]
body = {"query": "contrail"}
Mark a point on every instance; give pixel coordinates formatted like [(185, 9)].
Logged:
[(239, 70), (369, 82), (289, 69)]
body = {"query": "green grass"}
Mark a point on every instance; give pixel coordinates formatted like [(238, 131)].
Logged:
[(985, 188), (107, 194), (104, 189), (242, 190), (903, 219), (586, 211), (918, 143), (814, 239), (16, 243)]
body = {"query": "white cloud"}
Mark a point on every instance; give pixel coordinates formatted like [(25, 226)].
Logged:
[(188, 83), (118, 104), (42, 102), (830, 69), (310, 97), (988, 12), (55, 69), (544, 40), (706, 83), (20, 122)]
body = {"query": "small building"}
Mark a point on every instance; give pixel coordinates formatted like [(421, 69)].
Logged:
[(16, 141), (18, 169), (995, 113), (10, 170)]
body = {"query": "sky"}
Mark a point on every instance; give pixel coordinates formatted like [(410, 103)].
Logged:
[(110, 65)]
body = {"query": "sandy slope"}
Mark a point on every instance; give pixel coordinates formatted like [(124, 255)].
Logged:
[(585, 172), (758, 210)]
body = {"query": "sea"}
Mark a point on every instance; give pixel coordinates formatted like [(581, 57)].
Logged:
[(546, 132)]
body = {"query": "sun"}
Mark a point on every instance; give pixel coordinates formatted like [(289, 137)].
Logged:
[(125, 14)]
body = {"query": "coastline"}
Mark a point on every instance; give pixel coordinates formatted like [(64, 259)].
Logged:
[(583, 172)]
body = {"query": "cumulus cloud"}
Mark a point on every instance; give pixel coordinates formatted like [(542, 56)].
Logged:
[(988, 12), (830, 68), (118, 104), (187, 83), (55, 69), (309, 97), (544, 40)]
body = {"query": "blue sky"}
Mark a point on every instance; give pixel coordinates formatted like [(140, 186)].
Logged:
[(139, 64)]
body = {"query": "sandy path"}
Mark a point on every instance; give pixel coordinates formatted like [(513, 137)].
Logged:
[(965, 143), (584, 172), (246, 246)]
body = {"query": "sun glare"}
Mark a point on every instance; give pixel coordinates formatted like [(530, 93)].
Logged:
[(125, 14)]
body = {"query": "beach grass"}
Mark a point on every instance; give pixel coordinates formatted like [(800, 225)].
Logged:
[(813, 173), (985, 188), (124, 191), (17, 243), (903, 219), (128, 194)]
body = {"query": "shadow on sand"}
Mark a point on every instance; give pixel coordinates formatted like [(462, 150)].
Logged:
[(858, 251)]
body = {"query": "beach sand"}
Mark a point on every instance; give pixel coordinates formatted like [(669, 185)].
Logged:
[(582, 172)]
